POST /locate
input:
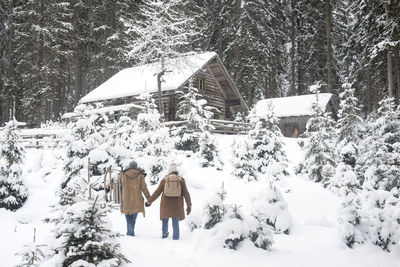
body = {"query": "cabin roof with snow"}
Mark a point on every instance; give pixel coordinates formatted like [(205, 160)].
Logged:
[(295, 111), (296, 105), (137, 80)]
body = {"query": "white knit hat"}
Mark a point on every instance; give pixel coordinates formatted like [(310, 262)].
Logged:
[(172, 168)]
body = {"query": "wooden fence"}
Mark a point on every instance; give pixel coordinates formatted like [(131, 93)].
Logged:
[(49, 140), (220, 126), (112, 186), (39, 140)]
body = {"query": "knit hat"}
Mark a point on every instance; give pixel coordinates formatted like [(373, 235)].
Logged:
[(173, 168), (133, 165)]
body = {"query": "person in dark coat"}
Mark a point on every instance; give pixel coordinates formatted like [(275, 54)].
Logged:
[(133, 186), (172, 207)]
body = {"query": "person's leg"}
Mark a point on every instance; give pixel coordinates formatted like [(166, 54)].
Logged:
[(129, 224), (134, 216), (175, 227), (165, 227)]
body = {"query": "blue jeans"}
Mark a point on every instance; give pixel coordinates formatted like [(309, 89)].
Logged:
[(130, 224), (175, 227)]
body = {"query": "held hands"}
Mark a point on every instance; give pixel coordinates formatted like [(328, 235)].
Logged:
[(147, 204), (188, 210)]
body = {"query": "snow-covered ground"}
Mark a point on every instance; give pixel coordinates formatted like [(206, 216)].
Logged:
[(314, 239)]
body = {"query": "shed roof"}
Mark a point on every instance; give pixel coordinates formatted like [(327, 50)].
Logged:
[(142, 79), (294, 105)]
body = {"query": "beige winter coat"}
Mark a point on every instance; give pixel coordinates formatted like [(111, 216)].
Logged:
[(171, 207), (133, 185)]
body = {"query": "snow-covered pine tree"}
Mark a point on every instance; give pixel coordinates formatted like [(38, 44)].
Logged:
[(343, 179), (267, 144), (350, 219), (381, 210), (349, 121), (215, 209), (88, 237), (348, 126), (209, 152), (244, 164), (270, 207), (121, 145), (379, 162), (152, 145), (262, 235), (87, 137), (32, 254), (13, 192), (320, 149), (348, 132), (82, 231), (234, 227), (192, 109)]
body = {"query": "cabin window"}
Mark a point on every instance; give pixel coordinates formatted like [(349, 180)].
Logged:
[(201, 86)]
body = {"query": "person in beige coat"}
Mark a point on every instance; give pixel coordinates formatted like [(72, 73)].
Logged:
[(172, 206), (133, 188)]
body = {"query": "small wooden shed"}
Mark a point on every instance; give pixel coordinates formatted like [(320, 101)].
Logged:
[(205, 70), (295, 111)]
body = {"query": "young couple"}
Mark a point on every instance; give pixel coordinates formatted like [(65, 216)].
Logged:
[(173, 189)]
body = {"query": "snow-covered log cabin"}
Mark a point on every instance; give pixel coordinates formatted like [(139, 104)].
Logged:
[(205, 70), (295, 111)]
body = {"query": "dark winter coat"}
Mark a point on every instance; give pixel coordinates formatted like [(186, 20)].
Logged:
[(172, 207), (133, 185)]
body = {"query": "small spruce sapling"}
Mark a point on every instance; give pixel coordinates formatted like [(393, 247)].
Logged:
[(215, 210), (13, 192), (32, 254), (244, 164)]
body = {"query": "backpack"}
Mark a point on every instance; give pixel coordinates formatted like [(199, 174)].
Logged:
[(172, 187)]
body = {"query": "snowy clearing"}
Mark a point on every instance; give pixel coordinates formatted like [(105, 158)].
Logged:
[(314, 239)]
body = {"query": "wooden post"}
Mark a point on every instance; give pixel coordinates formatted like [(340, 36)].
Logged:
[(160, 103), (88, 170), (105, 186)]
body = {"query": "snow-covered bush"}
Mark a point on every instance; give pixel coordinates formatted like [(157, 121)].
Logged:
[(381, 210), (350, 219), (13, 192), (255, 219), (372, 216), (344, 180)]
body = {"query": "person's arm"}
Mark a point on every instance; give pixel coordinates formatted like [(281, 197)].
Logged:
[(186, 194), (157, 193), (143, 186)]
